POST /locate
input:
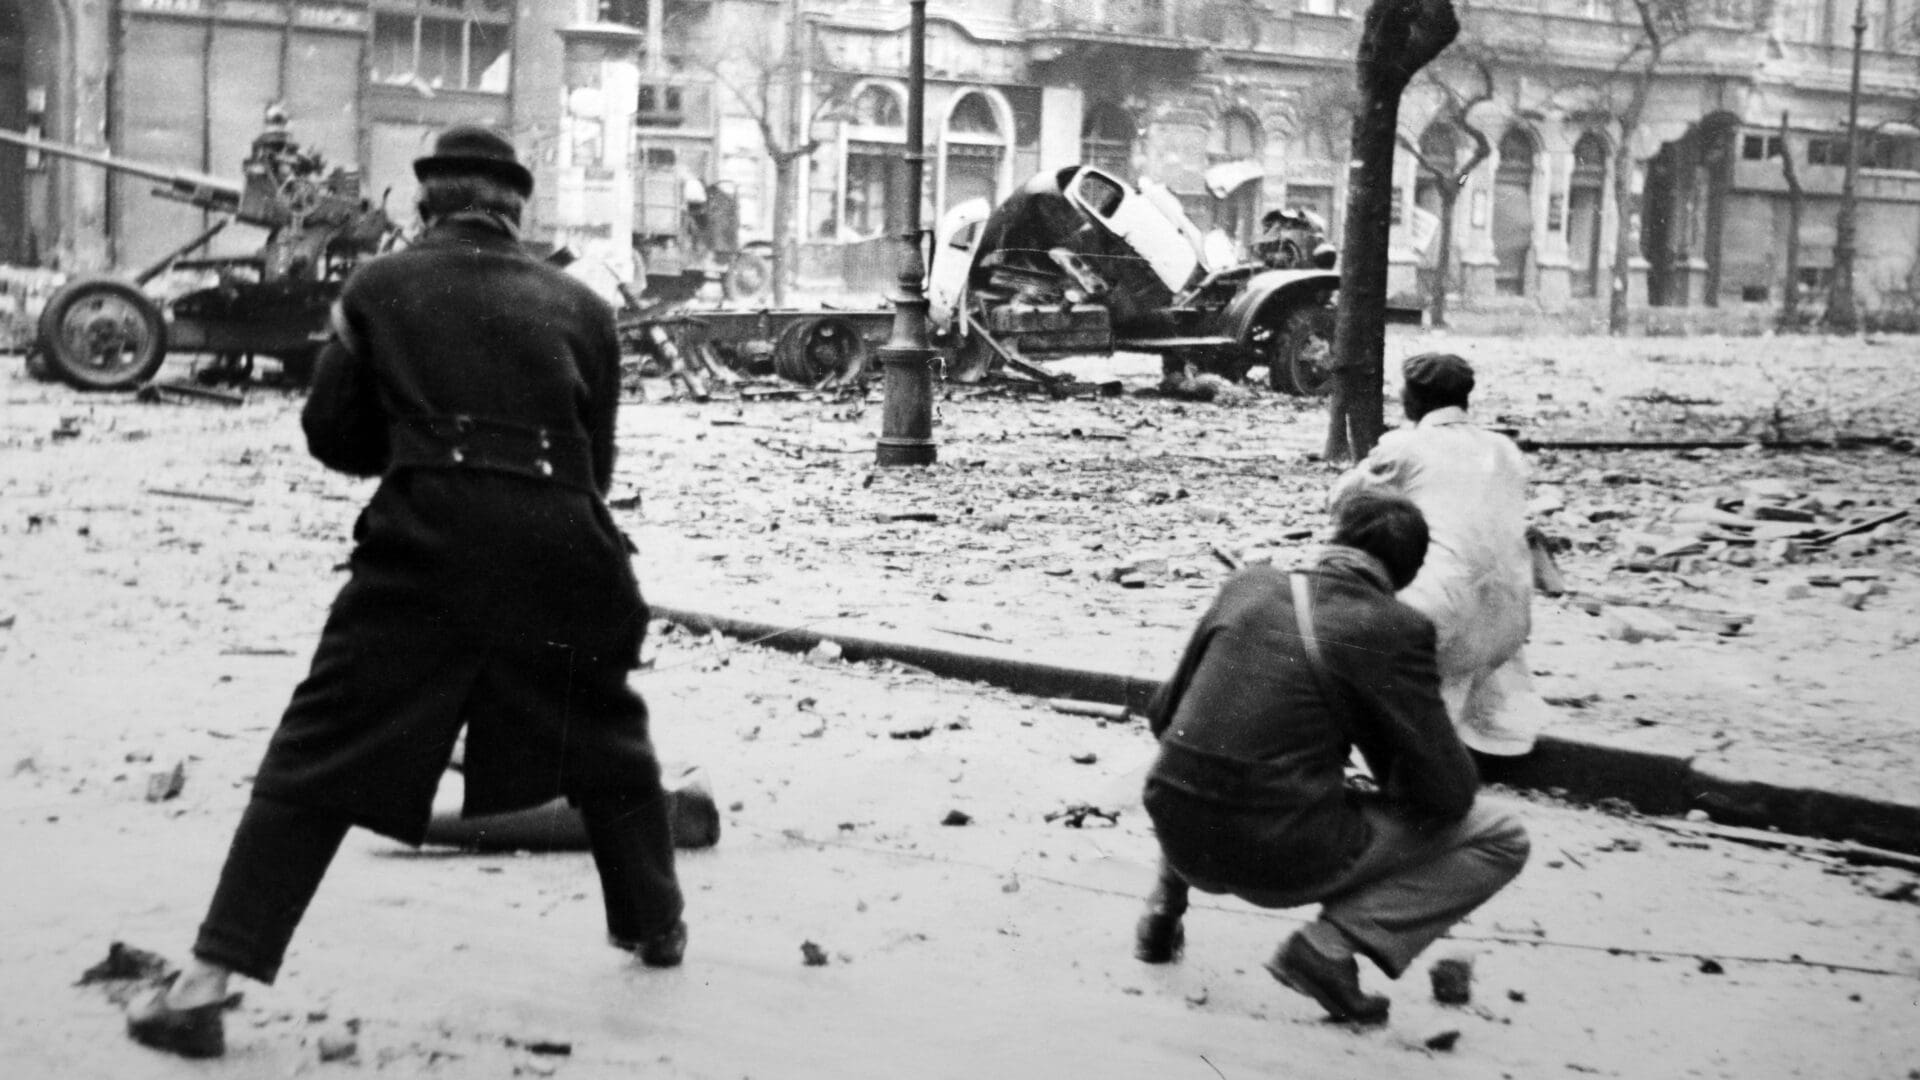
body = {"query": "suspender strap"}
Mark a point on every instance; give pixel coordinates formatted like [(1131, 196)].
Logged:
[(1303, 618), (470, 442)]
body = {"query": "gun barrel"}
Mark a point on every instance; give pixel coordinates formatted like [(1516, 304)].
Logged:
[(184, 184)]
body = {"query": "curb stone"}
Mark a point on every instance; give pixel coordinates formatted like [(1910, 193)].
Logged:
[(1654, 783)]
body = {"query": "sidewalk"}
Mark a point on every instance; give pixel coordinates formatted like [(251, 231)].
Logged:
[(1564, 762)]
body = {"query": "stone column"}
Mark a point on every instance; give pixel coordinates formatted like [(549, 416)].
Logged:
[(83, 189), (1555, 285), (1473, 234)]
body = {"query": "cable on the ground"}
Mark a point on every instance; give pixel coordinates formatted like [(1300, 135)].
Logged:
[(1794, 960)]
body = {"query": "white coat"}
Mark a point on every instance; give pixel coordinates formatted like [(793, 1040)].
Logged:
[(1477, 582)]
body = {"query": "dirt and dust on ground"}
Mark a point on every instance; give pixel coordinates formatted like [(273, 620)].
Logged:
[(166, 569)]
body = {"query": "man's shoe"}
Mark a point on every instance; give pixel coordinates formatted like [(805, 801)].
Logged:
[(198, 1032), (1158, 938), (1335, 985), (662, 950)]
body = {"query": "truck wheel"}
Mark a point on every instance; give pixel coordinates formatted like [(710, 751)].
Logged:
[(748, 277), (813, 349), (101, 334), (1300, 353)]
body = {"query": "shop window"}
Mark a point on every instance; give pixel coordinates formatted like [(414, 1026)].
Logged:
[(443, 44), (872, 174)]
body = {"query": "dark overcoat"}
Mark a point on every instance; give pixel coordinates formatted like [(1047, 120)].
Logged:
[(489, 587)]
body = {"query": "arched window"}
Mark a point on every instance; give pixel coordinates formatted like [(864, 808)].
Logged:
[(974, 149), (1106, 139), (1440, 145), (1586, 197), (878, 106), (974, 116), (1513, 213), (876, 198), (1516, 155)]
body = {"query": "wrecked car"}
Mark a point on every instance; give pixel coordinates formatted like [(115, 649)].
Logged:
[(1077, 261)]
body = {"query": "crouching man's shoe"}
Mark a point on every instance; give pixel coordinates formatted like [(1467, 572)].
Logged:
[(662, 950), (198, 1032), (1158, 938), (1334, 984)]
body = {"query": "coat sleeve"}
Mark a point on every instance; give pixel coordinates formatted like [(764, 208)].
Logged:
[(1405, 733), (345, 422), (1166, 700), (603, 368), (1384, 469)]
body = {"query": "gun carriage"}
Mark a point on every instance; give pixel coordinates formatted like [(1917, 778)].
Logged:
[(105, 332)]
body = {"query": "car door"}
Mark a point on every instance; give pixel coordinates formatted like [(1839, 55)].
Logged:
[(1129, 216), (953, 247)]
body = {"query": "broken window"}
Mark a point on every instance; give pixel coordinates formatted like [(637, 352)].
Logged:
[(443, 44)]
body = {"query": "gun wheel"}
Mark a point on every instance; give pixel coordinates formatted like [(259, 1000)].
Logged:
[(102, 335)]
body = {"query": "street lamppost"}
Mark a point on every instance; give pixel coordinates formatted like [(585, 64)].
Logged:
[(906, 418), (1842, 314)]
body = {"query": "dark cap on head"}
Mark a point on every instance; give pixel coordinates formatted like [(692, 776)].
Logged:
[(1438, 376), (468, 149), (1388, 527)]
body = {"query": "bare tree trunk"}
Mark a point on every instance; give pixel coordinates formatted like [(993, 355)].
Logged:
[(1796, 206), (1443, 272), (784, 189), (1400, 38), (1623, 236)]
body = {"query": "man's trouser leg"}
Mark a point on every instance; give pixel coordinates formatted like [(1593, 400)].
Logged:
[(1158, 936), (1415, 880), (279, 854), (633, 851)]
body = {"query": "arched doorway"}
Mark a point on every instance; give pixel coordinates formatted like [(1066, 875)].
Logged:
[(1106, 139), (1440, 147), (1586, 196), (1238, 137), (973, 151), (1513, 213)]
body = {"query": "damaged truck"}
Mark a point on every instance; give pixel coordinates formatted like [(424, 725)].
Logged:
[(1080, 262)]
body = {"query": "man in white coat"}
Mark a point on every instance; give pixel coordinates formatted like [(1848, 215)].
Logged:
[(1477, 582)]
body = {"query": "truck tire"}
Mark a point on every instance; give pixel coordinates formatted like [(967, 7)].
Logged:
[(810, 350), (102, 334), (748, 278), (1300, 353)]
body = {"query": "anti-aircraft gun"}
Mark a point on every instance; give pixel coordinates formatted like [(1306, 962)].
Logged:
[(106, 333)]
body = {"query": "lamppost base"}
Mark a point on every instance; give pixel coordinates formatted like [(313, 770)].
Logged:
[(892, 452)]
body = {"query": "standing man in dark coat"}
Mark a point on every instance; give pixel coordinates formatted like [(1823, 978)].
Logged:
[(490, 590), (1285, 676)]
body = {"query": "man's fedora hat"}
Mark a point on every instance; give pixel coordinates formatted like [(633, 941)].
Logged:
[(468, 149)]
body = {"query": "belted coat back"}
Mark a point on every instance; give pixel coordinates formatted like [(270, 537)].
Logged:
[(490, 588)]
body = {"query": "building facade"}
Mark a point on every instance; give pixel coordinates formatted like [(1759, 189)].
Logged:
[(1238, 106)]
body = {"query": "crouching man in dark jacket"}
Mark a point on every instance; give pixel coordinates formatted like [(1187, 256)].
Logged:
[(1284, 677)]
